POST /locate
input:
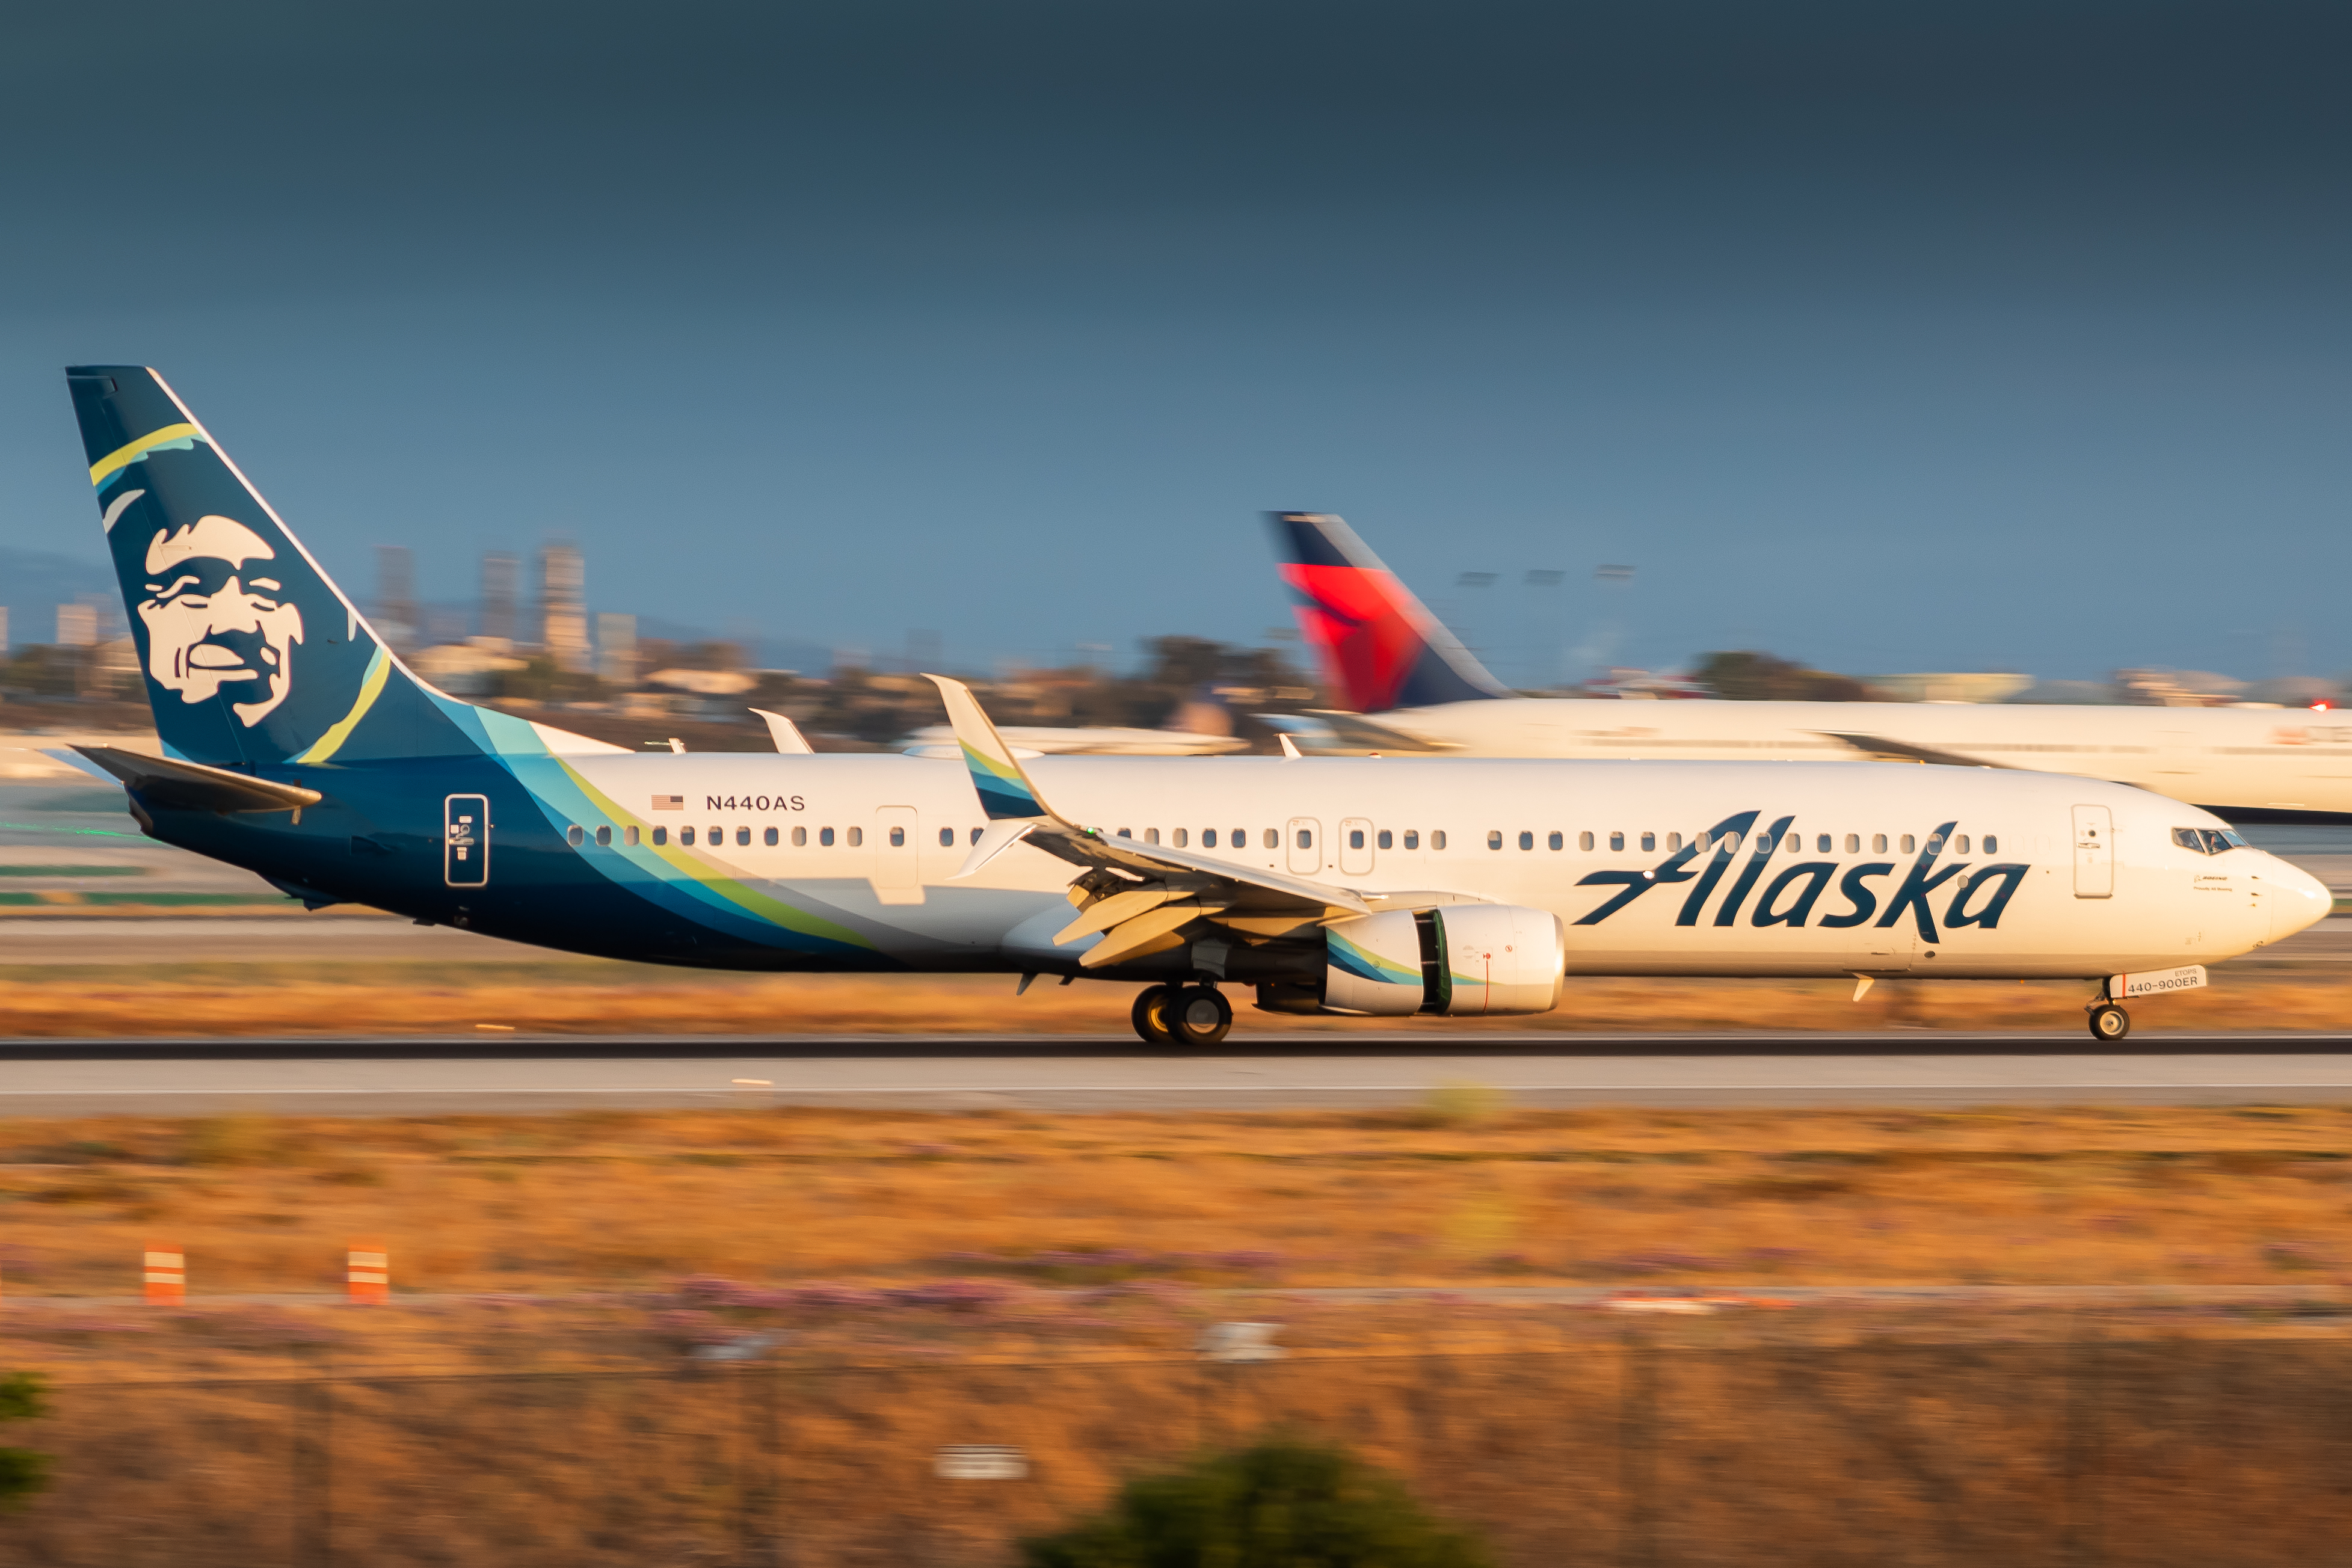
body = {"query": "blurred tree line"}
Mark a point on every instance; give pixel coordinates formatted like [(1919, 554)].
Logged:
[(1750, 676)]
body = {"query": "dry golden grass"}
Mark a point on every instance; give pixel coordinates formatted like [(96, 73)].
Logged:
[(1442, 1195), (594, 997), (1090, 1249)]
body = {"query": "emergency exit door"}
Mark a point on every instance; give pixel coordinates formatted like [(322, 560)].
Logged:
[(1305, 836), (2095, 852), (897, 855), (466, 841)]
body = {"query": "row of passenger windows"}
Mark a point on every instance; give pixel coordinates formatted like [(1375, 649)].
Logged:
[(1271, 838), (2205, 841), (854, 838), (1793, 842)]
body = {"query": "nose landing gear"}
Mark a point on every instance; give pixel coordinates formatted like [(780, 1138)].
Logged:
[(1182, 1015), (2109, 1023)]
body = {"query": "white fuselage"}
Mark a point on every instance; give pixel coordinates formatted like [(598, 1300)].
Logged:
[(2254, 759), (2125, 897)]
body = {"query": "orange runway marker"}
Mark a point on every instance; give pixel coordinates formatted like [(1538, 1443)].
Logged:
[(367, 1273), (166, 1274)]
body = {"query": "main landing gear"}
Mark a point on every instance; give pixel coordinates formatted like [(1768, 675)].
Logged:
[(1182, 1015), (2109, 1023)]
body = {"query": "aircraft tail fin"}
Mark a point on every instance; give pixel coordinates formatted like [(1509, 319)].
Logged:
[(252, 655), (1379, 646)]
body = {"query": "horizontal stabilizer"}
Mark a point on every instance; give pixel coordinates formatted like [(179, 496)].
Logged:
[(192, 787)]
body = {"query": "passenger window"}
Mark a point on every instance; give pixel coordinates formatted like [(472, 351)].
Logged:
[(1960, 844), (1649, 842), (1385, 840), (1494, 839), (1616, 841), (743, 836), (1412, 838), (856, 838), (1821, 845), (1208, 838), (1992, 845), (2189, 839), (1150, 835), (1907, 842), (1853, 843), (1180, 838), (1879, 843), (975, 835), (800, 838), (1527, 841), (1584, 841), (718, 837), (1729, 843), (897, 837), (629, 837), (947, 838), (824, 838), (661, 836), (1437, 838), (1306, 839), (576, 836), (1674, 842), (768, 836), (685, 837), (1126, 833), (1273, 838), (604, 837), (1557, 840), (1355, 838), (1794, 843)]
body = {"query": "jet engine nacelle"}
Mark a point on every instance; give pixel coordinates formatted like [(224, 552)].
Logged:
[(1464, 960)]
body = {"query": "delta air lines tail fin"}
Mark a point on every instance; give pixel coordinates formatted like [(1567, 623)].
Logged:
[(252, 655), (1380, 648)]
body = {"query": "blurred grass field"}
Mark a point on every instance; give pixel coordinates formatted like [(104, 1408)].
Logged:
[(1462, 1191)]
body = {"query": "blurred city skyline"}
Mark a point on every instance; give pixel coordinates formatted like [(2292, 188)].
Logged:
[(2011, 337)]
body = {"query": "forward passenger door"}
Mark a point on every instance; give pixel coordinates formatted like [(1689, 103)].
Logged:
[(2095, 852)]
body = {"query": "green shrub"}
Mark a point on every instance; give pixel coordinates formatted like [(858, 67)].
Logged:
[(1283, 1503), (22, 1471)]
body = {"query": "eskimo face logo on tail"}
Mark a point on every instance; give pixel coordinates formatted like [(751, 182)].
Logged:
[(210, 625)]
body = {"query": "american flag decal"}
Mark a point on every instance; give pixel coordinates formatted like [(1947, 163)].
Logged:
[(669, 802)]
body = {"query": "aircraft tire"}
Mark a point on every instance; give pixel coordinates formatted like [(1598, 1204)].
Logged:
[(1199, 1015), (2109, 1023), (1150, 1015)]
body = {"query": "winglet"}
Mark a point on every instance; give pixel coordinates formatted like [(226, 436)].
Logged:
[(785, 733), (1005, 792)]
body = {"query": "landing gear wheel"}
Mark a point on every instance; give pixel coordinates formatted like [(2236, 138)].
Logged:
[(2109, 1023), (1199, 1015), (1151, 1015)]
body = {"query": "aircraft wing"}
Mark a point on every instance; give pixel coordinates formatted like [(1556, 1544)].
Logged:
[(1139, 895), (1886, 749)]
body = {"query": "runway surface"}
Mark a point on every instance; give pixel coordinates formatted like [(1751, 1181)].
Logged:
[(61, 1078)]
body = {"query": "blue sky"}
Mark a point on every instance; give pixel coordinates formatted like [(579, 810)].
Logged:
[(1886, 338)]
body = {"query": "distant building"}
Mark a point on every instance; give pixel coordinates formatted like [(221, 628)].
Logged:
[(468, 669), (500, 575), (76, 625), (395, 596), (1951, 688), (4, 629), (616, 649), (562, 607)]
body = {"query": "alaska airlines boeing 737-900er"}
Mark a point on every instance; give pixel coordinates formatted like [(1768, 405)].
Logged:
[(1417, 689), (297, 744)]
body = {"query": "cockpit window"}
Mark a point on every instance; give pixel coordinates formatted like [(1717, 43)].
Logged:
[(2207, 841), (2188, 839)]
